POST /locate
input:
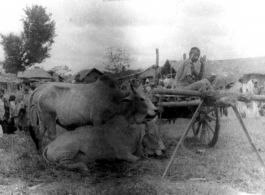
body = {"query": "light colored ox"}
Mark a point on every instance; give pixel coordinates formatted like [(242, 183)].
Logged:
[(117, 139)]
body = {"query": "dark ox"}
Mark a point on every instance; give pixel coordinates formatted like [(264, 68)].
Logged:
[(76, 105), (117, 139)]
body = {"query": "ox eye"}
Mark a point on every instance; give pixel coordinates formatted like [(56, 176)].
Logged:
[(142, 99)]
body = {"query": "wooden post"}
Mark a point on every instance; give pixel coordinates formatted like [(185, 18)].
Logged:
[(248, 136), (156, 66), (157, 57), (183, 137)]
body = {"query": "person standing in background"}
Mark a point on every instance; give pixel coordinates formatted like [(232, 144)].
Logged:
[(4, 111)]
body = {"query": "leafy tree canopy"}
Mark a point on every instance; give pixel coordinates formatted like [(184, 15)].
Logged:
[(118, 60), (33, 44)]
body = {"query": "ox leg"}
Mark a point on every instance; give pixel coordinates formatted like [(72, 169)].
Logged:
[(74, 160), (139, 150), (49, 124), (80, 166), (127, 156), (34, 137), (40, 134)]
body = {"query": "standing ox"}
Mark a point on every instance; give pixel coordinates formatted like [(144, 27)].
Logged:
[(116, 139), (76, 105)]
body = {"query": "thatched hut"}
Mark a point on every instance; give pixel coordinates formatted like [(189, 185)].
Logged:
[(87, 75), (149, 73), (35, 75), (9, 82)]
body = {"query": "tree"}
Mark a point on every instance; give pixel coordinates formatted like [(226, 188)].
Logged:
[(34, 43), (118, 60), (12, 46), (61, 70)]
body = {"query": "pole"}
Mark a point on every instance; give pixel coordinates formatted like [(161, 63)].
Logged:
[(177, 92), (248, 136), (156, 66), (183, 137), (216, 94), (157, 57)]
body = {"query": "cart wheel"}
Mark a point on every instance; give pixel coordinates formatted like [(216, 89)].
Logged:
[(207, 126)]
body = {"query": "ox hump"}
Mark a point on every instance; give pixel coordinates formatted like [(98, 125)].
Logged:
[(108, 81)]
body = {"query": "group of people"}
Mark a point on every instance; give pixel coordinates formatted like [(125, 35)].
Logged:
[(8, 103), (251, 109)]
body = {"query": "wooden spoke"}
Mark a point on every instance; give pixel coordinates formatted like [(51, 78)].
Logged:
[(211, 117), (212, 109), (209, 137), (209, 125), (195, 128)]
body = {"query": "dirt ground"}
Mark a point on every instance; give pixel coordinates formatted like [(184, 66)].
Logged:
[(231, 167)]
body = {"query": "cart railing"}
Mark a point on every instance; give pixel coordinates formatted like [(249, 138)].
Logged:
[(214, 97)]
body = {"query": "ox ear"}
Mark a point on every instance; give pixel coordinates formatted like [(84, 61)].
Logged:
[(108, 81), (130, 97), (126, 96)]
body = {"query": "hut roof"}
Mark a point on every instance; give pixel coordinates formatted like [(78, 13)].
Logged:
[(35, 73), (149, 72), (85, 72), (8, 78)]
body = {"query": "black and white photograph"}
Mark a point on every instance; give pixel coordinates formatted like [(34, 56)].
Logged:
[(132, 97)]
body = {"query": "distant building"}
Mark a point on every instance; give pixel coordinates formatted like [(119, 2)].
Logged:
[(149, 73), (87, 76), (9, 82), (56, 77), (36, 76)]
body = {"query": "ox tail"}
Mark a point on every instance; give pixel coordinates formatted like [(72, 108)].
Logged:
[(31, 108), (33, 114)]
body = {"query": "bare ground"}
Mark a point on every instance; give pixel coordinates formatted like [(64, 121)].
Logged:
[(231, 167)]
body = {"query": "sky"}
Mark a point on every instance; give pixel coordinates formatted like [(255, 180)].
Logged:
[(222, 29)]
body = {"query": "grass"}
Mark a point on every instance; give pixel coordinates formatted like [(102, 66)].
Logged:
[(230, 167)]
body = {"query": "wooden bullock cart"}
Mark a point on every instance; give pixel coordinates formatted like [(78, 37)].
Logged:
[(205, 119), (177, 103)]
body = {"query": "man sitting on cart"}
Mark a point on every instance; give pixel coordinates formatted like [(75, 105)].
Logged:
[(187, 77)]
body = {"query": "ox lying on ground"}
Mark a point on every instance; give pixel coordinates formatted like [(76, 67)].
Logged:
[(75, 105), (116, 139)]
